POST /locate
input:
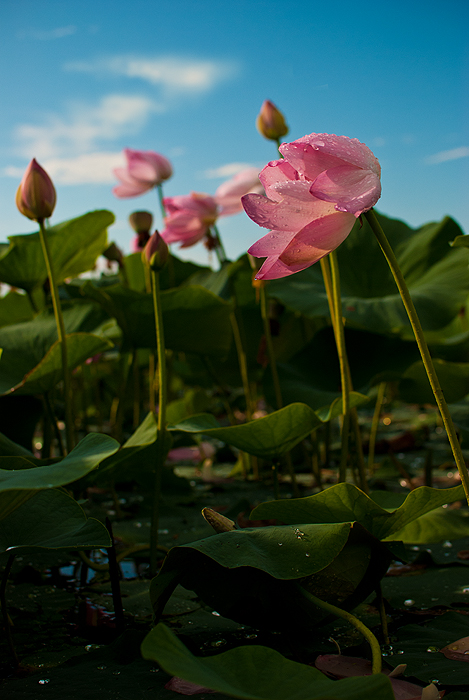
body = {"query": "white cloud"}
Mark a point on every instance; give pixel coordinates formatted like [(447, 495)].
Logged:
[(172, 74), (90, 168), (444, 156), (84, 127), (48, 34), (227, 170)]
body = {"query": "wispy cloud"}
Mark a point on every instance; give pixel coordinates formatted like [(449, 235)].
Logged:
[(85, 127), (171, 74), (452, 154), (90, 168), (227, 170), (47, 34)]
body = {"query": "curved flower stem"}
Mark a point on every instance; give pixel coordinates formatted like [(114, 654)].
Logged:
[(338, 612), (161, 422), (69, 432), (326, 273), (423, 347), (342, 353)]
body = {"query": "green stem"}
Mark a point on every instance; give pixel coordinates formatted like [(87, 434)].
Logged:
[(341, 351), (374, 426), (219, 249), (423, 347), (159, 190), (242, 361), (161, 422), (69, 432), (338, 612), (270, 346)]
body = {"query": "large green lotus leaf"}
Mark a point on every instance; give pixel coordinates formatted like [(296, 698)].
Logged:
[(435, 273), (313, 374), (26, 344), (175, 273), (9, 448), (194, 319), (51, 519), (420, 644), (85, 457), (46, 375), (74, 247), (137, 458), (438, 525), (265, 437), (252, 575), (15, 308), (346, 502), (256, 673), (414, 386)]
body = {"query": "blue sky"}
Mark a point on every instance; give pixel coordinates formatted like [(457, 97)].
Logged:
[(186, 78)]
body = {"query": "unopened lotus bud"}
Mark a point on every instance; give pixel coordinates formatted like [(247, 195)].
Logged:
[(156, 252), (219, 522), (270, 122), (36, 195), (114, 253), (141, 221)]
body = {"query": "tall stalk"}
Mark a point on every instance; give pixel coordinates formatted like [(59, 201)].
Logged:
[(422, 346), (69, 432), (160, 419)]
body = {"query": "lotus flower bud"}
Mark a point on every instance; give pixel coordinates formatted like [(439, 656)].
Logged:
[(36, 195), (156, 252), (270, 122), (141, 221)]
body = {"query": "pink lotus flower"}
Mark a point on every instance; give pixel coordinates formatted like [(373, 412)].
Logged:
[(145, 170), (313, 197), (190, 217), (228, 195)]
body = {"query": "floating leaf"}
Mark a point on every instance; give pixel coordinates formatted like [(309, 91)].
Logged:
[(85, 457), (51, 519), (421, 644), (265, 437), (251, 575), (346, 502), (256, 673)]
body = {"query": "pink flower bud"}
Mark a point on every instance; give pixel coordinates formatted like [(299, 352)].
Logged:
[(270, 122), (156, 252), (141, 221), (36, 195)]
